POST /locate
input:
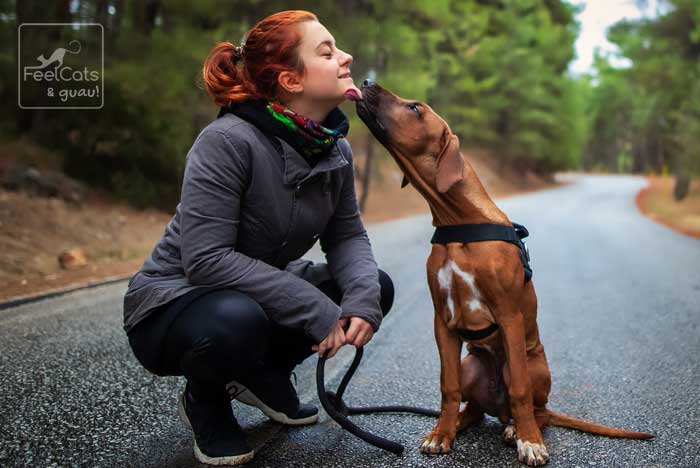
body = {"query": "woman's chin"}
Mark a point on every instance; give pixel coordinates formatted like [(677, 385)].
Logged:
[(342, 95), (339, 97)]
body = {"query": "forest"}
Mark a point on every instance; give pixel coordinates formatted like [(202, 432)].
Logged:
[(496, 70)]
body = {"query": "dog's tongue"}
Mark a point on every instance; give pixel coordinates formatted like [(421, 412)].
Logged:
[(353, 94)]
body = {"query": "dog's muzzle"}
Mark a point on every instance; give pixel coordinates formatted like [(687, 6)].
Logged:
[(367, 110)]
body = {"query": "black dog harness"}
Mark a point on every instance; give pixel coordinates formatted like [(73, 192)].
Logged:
[(481, 232), (487, 231)]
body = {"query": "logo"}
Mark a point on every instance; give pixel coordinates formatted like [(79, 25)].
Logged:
[(60, 66)]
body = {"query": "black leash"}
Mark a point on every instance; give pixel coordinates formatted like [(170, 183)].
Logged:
[(333, 403)]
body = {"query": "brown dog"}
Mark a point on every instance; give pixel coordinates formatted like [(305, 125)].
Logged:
[(473, 286)]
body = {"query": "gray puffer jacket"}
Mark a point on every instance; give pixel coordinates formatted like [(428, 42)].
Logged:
[(250, 207)]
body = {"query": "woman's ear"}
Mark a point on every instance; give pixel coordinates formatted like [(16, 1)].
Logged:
[(450, 166), (289, 81)]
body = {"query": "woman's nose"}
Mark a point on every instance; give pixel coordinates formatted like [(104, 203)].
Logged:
[(348, 59)]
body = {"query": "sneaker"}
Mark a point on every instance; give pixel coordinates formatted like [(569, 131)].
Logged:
[(271, 391), (218, 438)]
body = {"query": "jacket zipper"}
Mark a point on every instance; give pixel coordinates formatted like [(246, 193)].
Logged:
[(285, 239)]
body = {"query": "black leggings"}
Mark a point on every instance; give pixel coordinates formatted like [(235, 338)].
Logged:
[(224, 335)]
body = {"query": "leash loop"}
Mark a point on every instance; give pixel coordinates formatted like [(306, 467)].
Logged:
[(336, 408)]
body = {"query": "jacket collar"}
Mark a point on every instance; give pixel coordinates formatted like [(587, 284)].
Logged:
[(297, 170), (255, 111)]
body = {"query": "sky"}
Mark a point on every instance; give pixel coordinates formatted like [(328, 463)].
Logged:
[(595, 19)]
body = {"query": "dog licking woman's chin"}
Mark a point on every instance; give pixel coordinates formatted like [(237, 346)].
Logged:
[(352, 93), (346, 94)]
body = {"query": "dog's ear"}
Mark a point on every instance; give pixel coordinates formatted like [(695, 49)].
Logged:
[(404, 182), (450, 166)]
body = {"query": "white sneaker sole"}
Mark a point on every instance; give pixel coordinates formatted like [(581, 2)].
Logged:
[(203, 458), (241, 393)]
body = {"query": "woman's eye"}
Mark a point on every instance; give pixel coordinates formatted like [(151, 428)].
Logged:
[(328, 54), (414, 108)]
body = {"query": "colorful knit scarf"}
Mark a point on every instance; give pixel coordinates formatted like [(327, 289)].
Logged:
[(312, 138)]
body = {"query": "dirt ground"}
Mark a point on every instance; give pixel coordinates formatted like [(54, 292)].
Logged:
[(116, 238), (657, 202)]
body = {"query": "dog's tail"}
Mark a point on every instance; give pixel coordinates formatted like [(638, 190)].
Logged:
[(562, 420)]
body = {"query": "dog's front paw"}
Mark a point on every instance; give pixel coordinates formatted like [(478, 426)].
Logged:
[(532, 454), (509, 435), (435, 442)]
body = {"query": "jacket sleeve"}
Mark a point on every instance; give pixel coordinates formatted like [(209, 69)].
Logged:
[(214, 181), (349, 253)]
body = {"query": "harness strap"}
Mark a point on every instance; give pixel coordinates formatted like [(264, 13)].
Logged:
[(486, 231), (476, 334)]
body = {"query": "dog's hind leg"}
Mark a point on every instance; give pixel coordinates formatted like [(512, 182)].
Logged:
[(472, 375), (469, 416), (541, 384)]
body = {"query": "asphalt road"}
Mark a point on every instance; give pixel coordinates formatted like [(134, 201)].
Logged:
[(619, 301)]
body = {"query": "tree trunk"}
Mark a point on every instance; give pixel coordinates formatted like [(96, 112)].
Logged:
[(680, 188)]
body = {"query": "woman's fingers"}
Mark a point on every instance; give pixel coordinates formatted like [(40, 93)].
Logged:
[(334, 341), (359, 334), (340, 340), (323, 345), (333, 350), (362, 338), (352, 331)]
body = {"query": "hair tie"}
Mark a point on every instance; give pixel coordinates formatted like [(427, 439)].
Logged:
[(238, 53)]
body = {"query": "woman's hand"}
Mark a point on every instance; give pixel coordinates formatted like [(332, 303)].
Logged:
[(359, 333), (334, 340)]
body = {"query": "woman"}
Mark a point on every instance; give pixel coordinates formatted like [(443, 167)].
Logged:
[(224, 298)]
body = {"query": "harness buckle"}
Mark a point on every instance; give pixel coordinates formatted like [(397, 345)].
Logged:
[(527, 250)]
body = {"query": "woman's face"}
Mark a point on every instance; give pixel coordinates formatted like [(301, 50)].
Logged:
[(327, 68)]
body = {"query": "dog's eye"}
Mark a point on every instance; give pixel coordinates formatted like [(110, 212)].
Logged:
[(414, 108)]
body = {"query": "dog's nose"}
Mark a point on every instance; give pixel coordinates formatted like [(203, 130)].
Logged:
[(368, 82)]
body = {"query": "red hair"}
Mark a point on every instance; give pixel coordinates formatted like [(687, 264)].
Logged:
[(271, 47)]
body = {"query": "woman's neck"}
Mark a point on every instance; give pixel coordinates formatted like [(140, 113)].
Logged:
[(315, 110)]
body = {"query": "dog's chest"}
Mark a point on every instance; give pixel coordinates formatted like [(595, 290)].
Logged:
[(465, 305)]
